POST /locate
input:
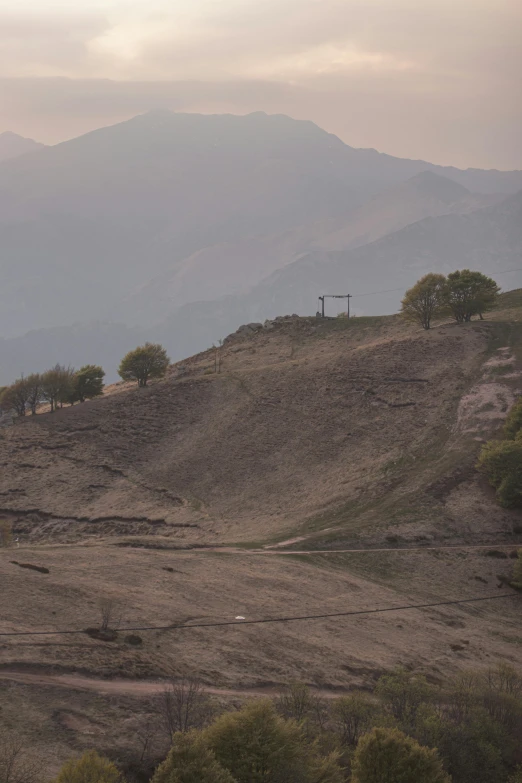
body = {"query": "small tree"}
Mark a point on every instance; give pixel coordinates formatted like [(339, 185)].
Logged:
[(501, 461), (295, 701), (470, 293), (190, 760), (353, 716), (15, 765), (57, 385), (425, 301), (34, 388), (108, 608), (88, 382), (16, 397), (184, 706), (90, 768), (146, 362), (389, 756), (403, 693)]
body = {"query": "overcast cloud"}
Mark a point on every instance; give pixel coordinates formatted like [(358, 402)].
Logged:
[(436, 79)]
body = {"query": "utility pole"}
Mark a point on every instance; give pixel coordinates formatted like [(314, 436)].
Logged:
[(336, 296)]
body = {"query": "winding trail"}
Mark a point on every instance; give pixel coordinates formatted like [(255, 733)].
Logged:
[(137, 688)]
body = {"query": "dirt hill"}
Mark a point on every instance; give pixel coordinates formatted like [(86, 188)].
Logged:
[(307, 423), (211, 495)]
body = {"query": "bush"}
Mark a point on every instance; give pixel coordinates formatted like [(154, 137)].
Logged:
[(90, 768), (190, 760), (147, 361), (513, 423), (88, 382), (389, 756), (501, 462)]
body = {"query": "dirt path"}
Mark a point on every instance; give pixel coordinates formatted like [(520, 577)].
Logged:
[(136, 688), (271, 550)]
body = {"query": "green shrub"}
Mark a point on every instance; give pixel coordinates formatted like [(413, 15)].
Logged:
[(513, 423), (501, 462), (389, 756), (190, 760), (90, 768)]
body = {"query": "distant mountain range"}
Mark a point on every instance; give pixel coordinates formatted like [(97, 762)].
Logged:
[(12, 145), (180, 227)]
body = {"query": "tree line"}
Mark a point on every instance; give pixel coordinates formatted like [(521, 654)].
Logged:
[(408, 730), (461, 295), (62, 385)]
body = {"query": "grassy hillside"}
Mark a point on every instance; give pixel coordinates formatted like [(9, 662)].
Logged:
[(208, 496), (368, 426)]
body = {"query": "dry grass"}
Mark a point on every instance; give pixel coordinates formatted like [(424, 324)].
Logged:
[(359, 433)]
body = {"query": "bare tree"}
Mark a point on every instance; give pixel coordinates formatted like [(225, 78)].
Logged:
[(184, 705), (295, 701), (108, 609), (15, 765)]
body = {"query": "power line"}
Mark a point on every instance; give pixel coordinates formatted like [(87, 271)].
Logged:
[(273, 619)]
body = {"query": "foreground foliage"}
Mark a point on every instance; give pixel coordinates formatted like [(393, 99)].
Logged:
[(389, 756), (190, 760), (406, 731), (501, 461), (90, 768)]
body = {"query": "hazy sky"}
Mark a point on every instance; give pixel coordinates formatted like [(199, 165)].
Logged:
[(433, 79)]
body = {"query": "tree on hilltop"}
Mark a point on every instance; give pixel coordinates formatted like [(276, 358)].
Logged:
[(425, 300), (470, 293), (143, 363), (15, 397), (57, 385), (88, 382)]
